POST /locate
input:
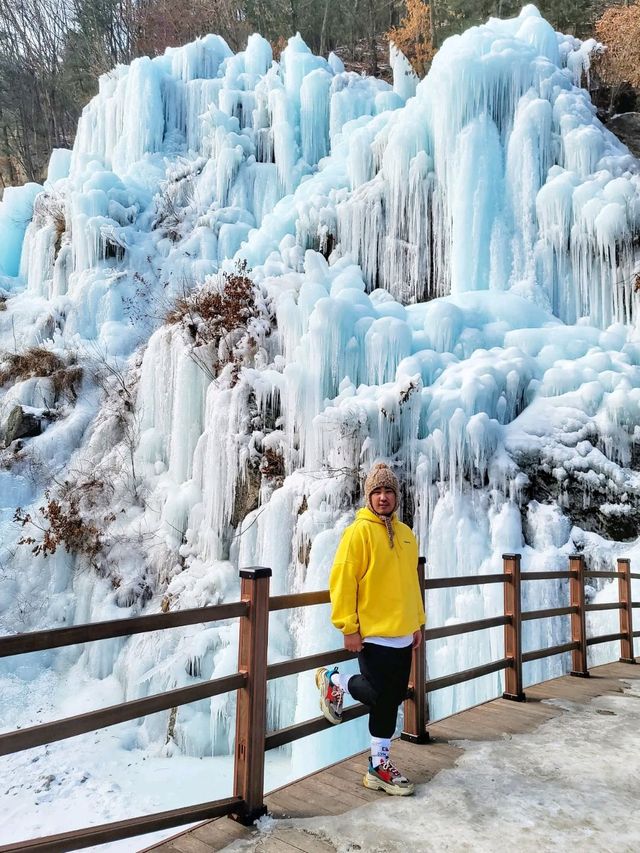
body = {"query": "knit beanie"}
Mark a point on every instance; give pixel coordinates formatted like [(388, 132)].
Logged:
[(381, 476)]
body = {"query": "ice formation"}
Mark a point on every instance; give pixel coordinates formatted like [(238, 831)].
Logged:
[(443, 276)]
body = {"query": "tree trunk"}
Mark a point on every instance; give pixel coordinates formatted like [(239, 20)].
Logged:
[(354, 18), (372, 38), (432, 22), (323, 32)]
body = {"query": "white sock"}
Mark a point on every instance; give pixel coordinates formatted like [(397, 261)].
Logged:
[(380, 747), (341, 681)]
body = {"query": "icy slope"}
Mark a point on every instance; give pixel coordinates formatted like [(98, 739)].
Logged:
[(446, 282)]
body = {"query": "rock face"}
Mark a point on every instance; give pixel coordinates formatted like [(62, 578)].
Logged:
[(247, 496), (21, 424), (626, 127), (601, 508)]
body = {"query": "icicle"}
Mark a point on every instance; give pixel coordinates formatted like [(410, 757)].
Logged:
[(405, 78), (314, 115)]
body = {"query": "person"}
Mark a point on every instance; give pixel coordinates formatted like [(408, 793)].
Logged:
[(377, 604)]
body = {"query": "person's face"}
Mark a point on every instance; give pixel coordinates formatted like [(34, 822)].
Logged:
[(383, 500)]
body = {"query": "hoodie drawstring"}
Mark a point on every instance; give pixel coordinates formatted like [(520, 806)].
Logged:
[(388, 523)]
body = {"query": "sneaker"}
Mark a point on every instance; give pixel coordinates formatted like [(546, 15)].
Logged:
[(385, 777), (330, 696)]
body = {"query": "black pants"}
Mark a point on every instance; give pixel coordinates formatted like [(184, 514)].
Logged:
[(382, 685)]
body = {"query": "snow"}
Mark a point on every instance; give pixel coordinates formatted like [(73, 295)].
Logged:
[(103, 776), (568, 784), (442, 276)]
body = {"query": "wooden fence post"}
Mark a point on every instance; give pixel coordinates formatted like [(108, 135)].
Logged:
[(251, 711), (578, 620), (513, 629), (416, 712), (626, 612)]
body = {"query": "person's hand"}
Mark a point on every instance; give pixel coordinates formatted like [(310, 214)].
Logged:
[(353, 642), (417, 638)]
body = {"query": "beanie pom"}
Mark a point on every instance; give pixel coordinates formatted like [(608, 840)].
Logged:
[(380, 476)]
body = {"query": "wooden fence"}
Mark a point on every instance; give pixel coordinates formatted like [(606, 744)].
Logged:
[(250, 681)]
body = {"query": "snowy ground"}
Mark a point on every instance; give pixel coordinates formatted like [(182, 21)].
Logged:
[(102, 776), (571, 784), (56, 789)]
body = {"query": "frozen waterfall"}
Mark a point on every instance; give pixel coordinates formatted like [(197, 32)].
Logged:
[(442, 275)]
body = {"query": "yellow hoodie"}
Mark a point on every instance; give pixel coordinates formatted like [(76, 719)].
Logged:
[(374, 587)]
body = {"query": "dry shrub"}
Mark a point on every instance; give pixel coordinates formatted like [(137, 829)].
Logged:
[(49, 208), (272, 465), (278, 45), (41, 362), (62, 523), (60, 226), (169, 218), (175, 197), (414, 36), (226, 314), (66, 381), (36, 361), (619, 30)]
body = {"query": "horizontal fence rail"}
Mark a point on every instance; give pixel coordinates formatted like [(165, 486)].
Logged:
[(593, 574), (547, 576), (550, 652), (465, 627), (463, 580), (38, 641), (121, 829), (111, 716), (310, 727), (528, 615), (298, 599), (297, 665), (605, 638), (434, 684), (254, 672)]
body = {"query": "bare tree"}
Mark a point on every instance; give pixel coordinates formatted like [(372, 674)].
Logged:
[(163, 23)]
